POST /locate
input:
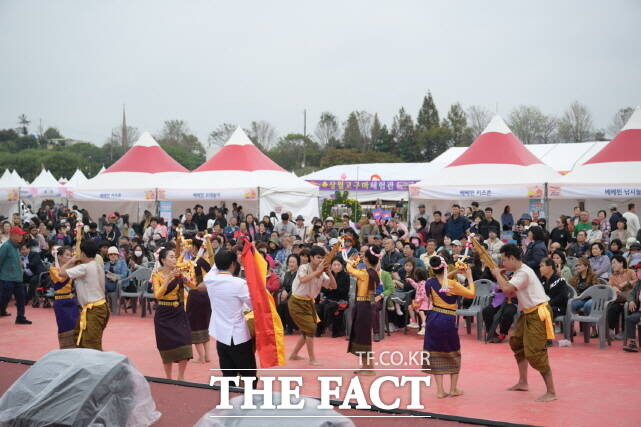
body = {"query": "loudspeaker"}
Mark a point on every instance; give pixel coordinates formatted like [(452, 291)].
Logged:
[(79, 387)]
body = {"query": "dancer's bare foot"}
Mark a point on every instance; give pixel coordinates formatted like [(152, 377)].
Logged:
[(547, 397), (441, 395), (314, 363), (519, 387), (457, 392), (296, 357)]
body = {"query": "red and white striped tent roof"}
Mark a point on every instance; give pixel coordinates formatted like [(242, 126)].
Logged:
[(497, 163), (240, 171), (134, 177), (617, 166)]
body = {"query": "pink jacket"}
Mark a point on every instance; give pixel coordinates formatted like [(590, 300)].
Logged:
[(421, 296)]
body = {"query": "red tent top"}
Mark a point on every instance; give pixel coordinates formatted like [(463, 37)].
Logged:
[(239, 154), (496, 145), (626, 146), (146, 156)]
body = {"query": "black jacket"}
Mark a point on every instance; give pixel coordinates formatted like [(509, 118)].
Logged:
[(341, 293), (557, 289), (485, 226)]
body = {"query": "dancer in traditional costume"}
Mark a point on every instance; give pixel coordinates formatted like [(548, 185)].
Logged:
[(360, 337), (306, 287), (198, 304), (65, 304), (534, 327), (441, 334), (89, 281), (173, 334)]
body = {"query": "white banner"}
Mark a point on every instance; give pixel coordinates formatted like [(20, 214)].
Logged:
[(477, 192), (119, 196), (597, 191), (44, 192), (204, 194)]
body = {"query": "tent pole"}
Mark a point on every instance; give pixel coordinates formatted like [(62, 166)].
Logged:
[(546, 203), (258, 199), (409, 211)]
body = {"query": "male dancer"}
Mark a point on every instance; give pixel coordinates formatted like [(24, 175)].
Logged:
[(534, 327), (305, 288)]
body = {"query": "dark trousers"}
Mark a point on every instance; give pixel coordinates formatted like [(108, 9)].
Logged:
[(631, 324), (329, 315), (12, 288), (239, 359), (507, 316), (283, 312), (615, 310), (376, 317)]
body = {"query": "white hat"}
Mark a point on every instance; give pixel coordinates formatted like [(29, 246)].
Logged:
[(113, 250), (329, 218)]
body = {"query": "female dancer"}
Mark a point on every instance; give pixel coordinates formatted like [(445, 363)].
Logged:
[(198, 304), (65, 304), (360, 337), (441, 335), (173, 334)]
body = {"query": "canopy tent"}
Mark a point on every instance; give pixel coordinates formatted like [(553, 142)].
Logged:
[(19, 178), (562, 157), (497, 166), (9, 194), (240, 172), (130, 184), (76, 179), (369, 181), (44, 186)]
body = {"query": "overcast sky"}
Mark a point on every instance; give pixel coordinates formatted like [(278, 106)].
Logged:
[(73, 64)]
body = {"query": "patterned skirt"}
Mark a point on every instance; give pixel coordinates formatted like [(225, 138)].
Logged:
[(173, 335), (67, 315), (199, 314), (303, 313), (360, 336), (442, 343)]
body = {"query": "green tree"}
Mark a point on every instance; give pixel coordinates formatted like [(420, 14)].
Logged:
[(176, 133), (352, 137), (576, 124), (344, 156), (457, 123), (187, 158), (382, 140), (327, 132), (432, 142), (52, 133), (290, 155), (404, 137), (428, 114)]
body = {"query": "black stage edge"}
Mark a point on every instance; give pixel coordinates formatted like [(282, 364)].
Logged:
[(336, 403)]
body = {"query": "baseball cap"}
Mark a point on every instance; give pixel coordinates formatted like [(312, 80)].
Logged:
[(329, 218), (17, 230), (456, 242), (111, 215), (113, 251)]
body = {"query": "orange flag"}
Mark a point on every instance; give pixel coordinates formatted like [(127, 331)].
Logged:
[(270, 342)]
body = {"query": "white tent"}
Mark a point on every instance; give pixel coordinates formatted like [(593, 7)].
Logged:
[(44, 186), (130, 184), (9, 194), (562, 157), (369, 181), (76, 179), (19, 178), (240, 173), (496, 167), (613, 174)]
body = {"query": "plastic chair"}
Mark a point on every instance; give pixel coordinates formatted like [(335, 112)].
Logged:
[(602, 281), (141, 278), (481, 300), (602, 296), (565, 320), (146, 298), (347, 314)]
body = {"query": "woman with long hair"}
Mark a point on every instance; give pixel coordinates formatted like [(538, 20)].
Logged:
[(507, 220), (252, 226), (198, 303), (583, 278), (286, 280), (329, 307), (367, 280), (560, 262), (173, 334), (65, 304), (441, 334), (4, 235), (138, 258)]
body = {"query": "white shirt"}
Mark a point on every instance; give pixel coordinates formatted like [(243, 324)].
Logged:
[(89, 282), (529, 290), (300, 232), (229, 296), (632, 222), (309, 289)]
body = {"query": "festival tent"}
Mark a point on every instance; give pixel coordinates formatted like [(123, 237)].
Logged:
[(9, 194), (76, 179), (131, 183), (19, 178), (369, 181), (562, 157), (612, 174), (496, 167), (44, 186), (240, 172)]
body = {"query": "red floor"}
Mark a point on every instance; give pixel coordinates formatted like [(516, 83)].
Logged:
[(595, 387)]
